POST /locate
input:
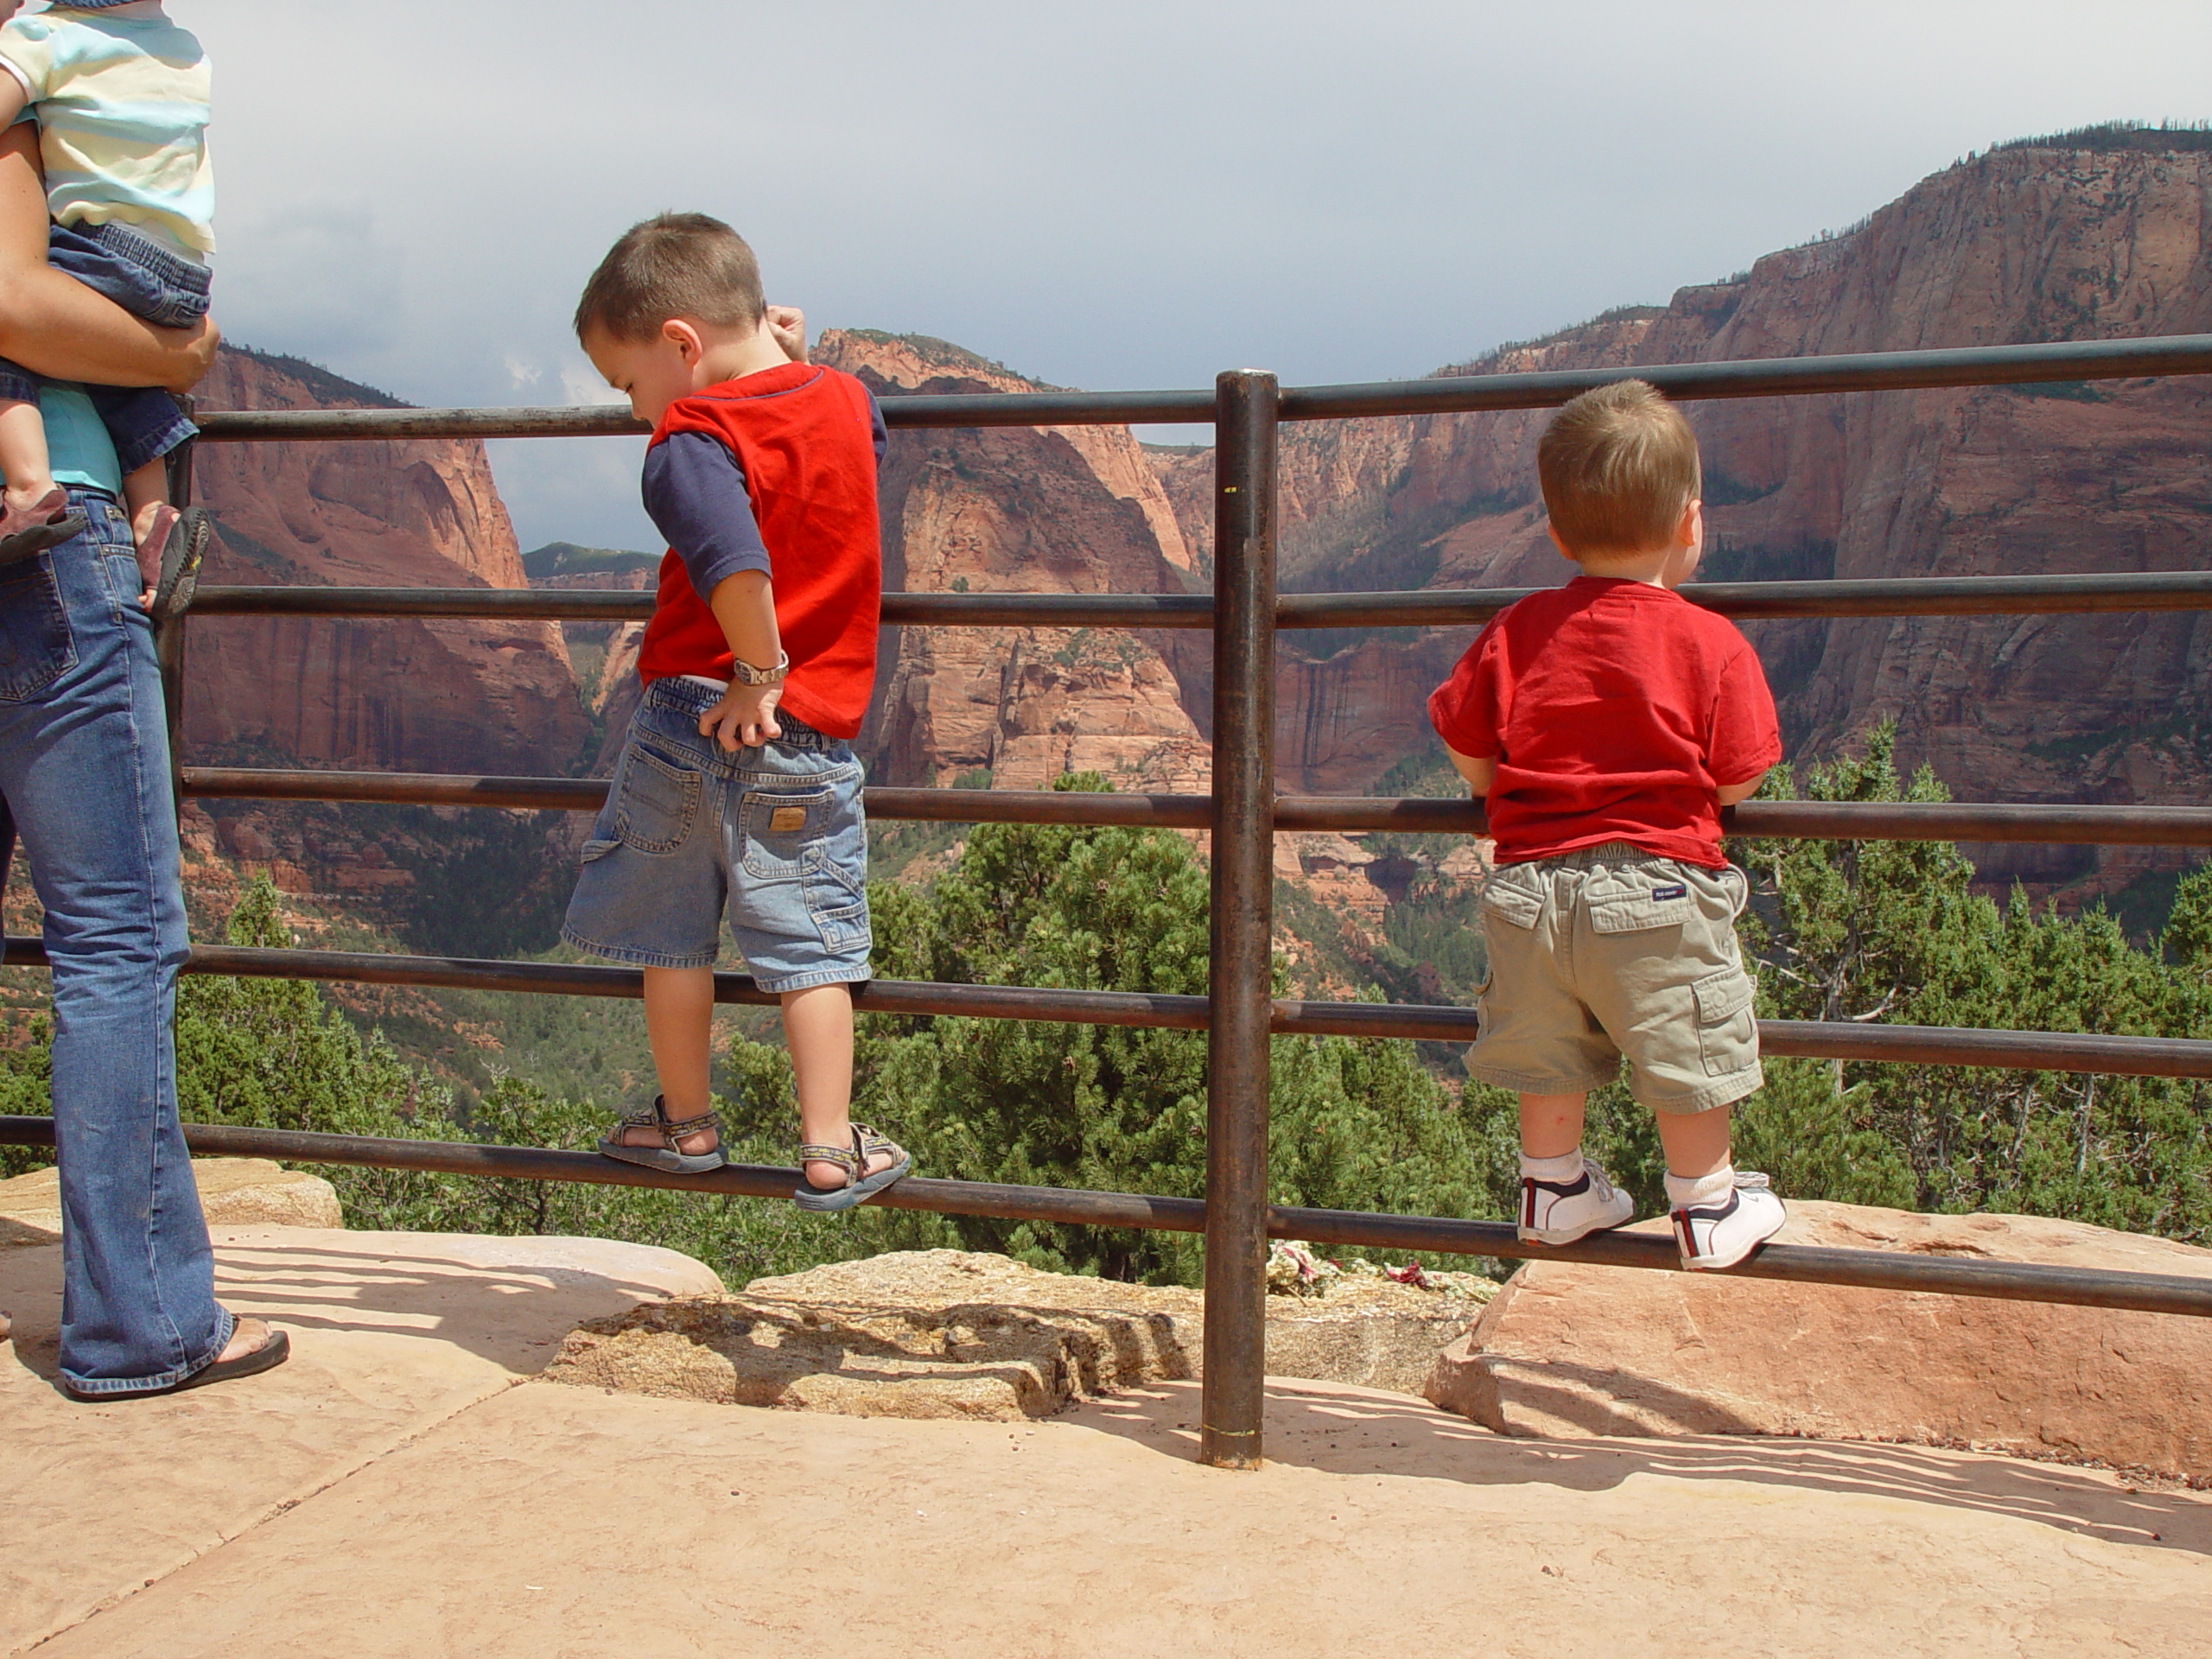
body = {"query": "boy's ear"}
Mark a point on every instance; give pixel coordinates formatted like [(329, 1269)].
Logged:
[(1691, 531), (1558, 541), (685, 336)]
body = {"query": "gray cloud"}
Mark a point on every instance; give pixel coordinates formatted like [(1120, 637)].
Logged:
[(1124, 195)]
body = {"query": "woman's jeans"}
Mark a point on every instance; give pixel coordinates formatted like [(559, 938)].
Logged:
[(85, 780)]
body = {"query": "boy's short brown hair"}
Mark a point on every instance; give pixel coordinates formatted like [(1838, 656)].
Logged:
[(1617, 466), (672, 265)]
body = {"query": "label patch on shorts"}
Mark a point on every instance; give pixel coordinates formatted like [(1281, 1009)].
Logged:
[(788, 821), (1670, 892)]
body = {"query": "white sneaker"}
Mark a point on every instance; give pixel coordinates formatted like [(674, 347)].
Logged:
[(1559, 1213), (1721, 1235)]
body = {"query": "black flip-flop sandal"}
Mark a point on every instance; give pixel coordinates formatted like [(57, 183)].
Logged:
[(183, 551), (267, 1358), (859, 1185)]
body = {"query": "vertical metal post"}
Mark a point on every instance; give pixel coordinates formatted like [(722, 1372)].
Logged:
[(1244, 917), (169, 638)]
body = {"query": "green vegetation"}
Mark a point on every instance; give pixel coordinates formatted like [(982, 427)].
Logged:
[(1880, 931), (1355, 1125), (567, 559), (2167, 136)]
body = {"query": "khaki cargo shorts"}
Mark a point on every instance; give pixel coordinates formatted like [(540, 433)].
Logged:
[(1610, 953)]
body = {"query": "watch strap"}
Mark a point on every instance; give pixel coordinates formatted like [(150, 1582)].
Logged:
[(747, 674)]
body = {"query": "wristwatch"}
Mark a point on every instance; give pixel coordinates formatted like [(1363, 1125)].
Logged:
[(746, 674)]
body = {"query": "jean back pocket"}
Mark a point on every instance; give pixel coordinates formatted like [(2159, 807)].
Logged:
[(37, 647), (655, 801)]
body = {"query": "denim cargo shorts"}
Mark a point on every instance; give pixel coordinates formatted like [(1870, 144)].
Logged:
[(1610, 953), (775, 835)]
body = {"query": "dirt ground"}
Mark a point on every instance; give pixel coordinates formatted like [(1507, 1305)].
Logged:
[(402, 1488)]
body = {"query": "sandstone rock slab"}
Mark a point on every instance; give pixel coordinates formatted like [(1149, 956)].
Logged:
[(1568, 1350), (521, 1527), (950, 1333), (233, 1192), (391, 1334)]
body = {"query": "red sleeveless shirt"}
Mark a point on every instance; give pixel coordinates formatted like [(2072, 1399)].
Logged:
[(804, 438)]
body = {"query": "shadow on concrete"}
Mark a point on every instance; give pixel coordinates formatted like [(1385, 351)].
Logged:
[(512, 1315), (1356, 1431)]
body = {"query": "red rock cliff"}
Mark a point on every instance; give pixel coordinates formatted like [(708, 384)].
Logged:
[(2023, 244), (1065, 510), (417, 696)]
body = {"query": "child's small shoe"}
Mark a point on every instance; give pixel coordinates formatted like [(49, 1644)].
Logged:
[(25, 532), (1720, 1234), (858, 1185), (1554, 1212), (668, 1157)]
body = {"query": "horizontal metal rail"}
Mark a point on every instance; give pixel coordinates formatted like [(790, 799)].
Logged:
[(2025, 1051), (1431, 1236), (1970, 366), (554, 605), (2064, 825), (1771, 377), (2159, 590)]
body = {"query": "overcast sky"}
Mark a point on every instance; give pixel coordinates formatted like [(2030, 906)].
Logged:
[(1131, 194)]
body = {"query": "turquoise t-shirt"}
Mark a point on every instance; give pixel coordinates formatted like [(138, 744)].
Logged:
[(77, 443)]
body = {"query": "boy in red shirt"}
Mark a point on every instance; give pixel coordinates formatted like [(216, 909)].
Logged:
[(1607, 722), (736, 789)]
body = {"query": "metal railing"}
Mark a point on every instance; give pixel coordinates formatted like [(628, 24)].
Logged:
[(1244, 612)]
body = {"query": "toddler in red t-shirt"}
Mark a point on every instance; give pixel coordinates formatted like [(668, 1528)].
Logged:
[(1607, 723), (736, 790)]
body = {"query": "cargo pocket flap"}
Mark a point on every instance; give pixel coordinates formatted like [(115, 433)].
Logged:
[(1511, 904), (1723, 994)]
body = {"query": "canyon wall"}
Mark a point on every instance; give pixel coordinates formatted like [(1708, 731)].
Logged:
[(2022, 245), (1014, 510), (377, 693)]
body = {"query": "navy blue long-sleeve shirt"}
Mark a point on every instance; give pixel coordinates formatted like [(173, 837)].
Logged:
[(694, 493)]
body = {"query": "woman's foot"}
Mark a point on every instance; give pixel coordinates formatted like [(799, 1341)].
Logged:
[(253, 1348), (248, 1335)]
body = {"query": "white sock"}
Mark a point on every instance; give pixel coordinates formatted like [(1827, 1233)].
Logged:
[(1561, 1171), (1699, 1191)]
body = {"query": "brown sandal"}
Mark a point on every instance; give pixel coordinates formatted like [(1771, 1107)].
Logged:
[(25, 532), (854, 1160), (668, 1157)]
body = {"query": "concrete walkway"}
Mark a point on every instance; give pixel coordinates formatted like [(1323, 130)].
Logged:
[(393, 1491)]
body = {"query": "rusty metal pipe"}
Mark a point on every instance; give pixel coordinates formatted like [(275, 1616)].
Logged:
[(1240, 1015), (2027, 1050), (2066, 825), (2163, 590), (1428, 1236), (1972, 365)]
